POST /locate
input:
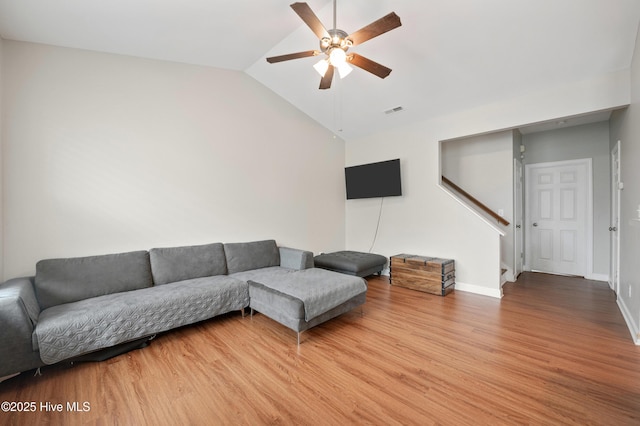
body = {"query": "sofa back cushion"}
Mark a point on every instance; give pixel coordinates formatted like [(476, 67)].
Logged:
[(68, 280), (174, 264), (254, 255)]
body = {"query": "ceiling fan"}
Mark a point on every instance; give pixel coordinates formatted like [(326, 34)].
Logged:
[(335, 43)]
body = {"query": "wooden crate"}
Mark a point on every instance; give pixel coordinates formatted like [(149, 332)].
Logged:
[(429, 274)]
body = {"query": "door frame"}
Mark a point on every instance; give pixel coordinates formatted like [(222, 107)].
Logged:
[(518, 217), (588, 266), (614, 262)]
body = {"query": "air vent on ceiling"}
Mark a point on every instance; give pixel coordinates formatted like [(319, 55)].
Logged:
[(394, 110)]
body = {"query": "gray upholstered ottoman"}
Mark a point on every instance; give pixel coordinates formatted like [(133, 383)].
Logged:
[(351, 262)]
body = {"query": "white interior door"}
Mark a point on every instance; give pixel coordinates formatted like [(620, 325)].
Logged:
[(614, 266), (557, 220)]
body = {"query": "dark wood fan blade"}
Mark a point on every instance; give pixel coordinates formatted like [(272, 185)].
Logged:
[(325, 83), (369, 65), (304, 11), (374, 29), (291, 56)]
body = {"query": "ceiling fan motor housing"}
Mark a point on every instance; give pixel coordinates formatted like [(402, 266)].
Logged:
[(337, 38)]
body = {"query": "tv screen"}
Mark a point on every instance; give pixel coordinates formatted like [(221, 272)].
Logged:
[(373, 180)]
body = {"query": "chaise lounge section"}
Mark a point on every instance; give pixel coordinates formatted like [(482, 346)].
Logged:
[(295, 294), (306, 298)]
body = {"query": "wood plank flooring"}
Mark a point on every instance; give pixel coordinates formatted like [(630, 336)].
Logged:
[(554, 350)]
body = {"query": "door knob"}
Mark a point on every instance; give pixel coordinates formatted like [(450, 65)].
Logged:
[(613, 228), (535, 224), (518, 226)]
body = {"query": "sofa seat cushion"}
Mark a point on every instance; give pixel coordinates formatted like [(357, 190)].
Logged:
[(69, 330), (319, 290), (265, 274), (173, 264), (69, 280)]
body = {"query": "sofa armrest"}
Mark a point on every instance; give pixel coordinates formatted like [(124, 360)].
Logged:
[(19, 292), (19, 311), (295, 259)]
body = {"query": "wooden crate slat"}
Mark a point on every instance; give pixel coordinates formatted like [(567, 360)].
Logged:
[(430, 264), (422, 273)]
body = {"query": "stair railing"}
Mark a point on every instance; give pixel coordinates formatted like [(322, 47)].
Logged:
[(476, 202)]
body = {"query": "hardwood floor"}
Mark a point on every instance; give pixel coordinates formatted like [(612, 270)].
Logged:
[(554, 350)]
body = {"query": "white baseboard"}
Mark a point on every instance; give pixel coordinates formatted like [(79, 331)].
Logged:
[(476, 289), (598, 277), (633, 328)]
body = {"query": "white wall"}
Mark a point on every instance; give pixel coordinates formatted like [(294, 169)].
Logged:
[(107, 153), (428, 221), (463, 160), (625, 127), (572, 143), (412, 223), (490, 157)]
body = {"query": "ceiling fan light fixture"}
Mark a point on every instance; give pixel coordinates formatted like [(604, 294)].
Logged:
[(344, 70), (322, 66), (337, 57)]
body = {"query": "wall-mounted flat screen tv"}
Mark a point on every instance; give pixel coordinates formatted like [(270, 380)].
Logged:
[(372, 180)]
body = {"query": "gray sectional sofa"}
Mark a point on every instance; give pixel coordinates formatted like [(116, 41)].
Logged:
[(78, 306)]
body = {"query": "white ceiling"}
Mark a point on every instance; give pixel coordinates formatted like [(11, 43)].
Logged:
[(446, 55)]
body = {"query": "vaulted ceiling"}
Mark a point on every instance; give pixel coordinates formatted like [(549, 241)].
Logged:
[(447, 55)]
